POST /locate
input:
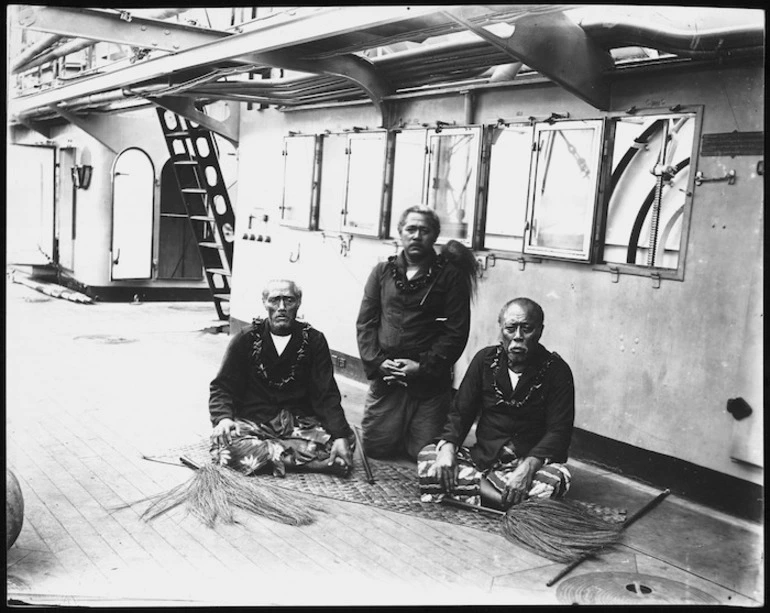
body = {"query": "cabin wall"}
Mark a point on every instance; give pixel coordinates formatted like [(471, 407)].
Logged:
[(93, 223), (654, 367)]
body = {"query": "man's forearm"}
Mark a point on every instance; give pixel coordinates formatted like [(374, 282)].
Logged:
[(220, 405)]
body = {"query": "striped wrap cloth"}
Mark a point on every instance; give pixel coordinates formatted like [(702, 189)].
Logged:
[(551, 481)]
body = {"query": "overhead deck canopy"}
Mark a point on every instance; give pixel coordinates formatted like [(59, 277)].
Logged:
[(309, 56)]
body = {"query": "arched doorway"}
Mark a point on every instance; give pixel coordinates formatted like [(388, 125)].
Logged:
[(178, 256), (133, 187)]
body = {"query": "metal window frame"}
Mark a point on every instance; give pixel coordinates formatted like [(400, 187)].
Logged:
[(311, 222), (586, 253), (484, 187), (389, 230), (478, 130), (640, 270), (352, 137)]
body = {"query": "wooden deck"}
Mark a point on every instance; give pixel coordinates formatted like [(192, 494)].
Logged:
[(90, 389)]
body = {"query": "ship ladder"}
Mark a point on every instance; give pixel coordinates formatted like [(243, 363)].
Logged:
[(194, 154)]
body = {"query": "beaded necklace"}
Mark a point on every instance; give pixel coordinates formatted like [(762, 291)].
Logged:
[(410, 286), (256, 353), (537, 380)]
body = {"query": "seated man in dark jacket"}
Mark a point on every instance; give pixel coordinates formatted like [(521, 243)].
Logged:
[(524, 398), (274, 402)]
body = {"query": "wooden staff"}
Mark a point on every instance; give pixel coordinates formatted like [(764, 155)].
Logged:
[(364, 459), (189, 463), (471, 507), (654, 502)]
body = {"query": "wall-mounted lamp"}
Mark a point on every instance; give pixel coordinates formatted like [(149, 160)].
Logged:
[(81, 176)]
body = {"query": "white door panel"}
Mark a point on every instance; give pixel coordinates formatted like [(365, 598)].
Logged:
[(30, 204), (133, 184)]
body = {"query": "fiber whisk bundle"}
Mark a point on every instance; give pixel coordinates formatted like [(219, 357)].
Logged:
[(214, 491), (558, 530)]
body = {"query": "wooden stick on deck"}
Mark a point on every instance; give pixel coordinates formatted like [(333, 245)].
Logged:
[(655, 501), (364, 459), (188, 462), (471, 507)]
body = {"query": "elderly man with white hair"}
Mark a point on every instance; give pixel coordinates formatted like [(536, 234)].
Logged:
[(523, 397), (275, 404)]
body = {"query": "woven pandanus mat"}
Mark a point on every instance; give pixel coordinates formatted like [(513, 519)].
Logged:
[(395, 488)]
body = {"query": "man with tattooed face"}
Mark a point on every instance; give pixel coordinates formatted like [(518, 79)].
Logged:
[(524, 398), (274, 403)]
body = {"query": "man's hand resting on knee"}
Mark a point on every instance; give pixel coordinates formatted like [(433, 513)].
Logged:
[(340, 454), (445, 466), (222, 433), (519, 482)]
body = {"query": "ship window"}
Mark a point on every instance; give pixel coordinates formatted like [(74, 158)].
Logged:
[(408, 174), (509, 164), (366, 168), (352, 179), (563, 189), (648, 191), (298, 180), (333, 176), (449, 166)]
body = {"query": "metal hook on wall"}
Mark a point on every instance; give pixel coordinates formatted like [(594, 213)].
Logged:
[(292, 257), (345, 244)]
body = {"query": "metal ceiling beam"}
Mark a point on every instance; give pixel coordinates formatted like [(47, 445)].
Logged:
[(228, 129), (558, 48), (86, 22), (98, 25), (313, 27), (147, 33), (33, 50), (104, 136)]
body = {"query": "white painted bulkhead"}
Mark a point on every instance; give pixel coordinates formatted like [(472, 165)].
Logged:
[(654, 367), (92, 249)]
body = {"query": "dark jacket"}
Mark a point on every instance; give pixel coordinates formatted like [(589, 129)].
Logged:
[(541, 426), (257, 390), (426, 319)]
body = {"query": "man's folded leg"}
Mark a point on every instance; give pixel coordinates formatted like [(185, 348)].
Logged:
[(467, 488)]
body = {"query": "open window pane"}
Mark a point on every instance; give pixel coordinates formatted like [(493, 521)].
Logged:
[(650, 174), (366, 166), (408, 174), (563, 195), (333, 180), (509, 165), (452, 180), (299, 152)]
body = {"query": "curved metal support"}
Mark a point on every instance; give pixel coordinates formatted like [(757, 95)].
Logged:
[(354, 68), (704, 43), (576, 63)]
